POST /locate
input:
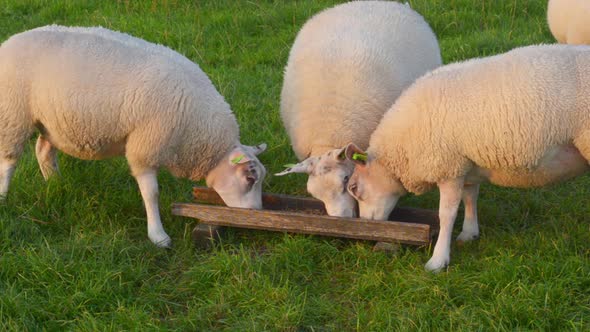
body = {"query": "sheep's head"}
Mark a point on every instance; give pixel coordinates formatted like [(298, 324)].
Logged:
[(328, 177), (371, 185), (238, 177)]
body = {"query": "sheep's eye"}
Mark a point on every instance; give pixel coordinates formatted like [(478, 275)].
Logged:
[(345, 183), (352, 189)]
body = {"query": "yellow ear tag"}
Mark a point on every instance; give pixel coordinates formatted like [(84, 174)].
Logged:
[(237, 159), (359, 156)]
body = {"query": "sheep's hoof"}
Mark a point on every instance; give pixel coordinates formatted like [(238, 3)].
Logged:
[(465, 237), (161, 241), (165, 244), (436, 264), (50, 173)]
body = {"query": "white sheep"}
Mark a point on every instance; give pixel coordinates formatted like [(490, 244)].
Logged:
[(346, 68), (569, 20), (519, 119), (94, 93)]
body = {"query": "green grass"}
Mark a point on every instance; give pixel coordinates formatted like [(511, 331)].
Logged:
[(74, 253)]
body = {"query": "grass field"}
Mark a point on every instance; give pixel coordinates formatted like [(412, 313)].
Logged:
[(74, 252)]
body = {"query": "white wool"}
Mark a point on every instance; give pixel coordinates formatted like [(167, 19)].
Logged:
[(502, 115), (347, 66), (96, 93), (128, 40), (569, 20), (518, 119)]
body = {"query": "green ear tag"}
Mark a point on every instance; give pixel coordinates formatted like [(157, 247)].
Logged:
[(289, 165), (237, 159), (359, 156)]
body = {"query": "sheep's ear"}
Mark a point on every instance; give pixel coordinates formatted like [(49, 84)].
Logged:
[(237, 157), (306, 166), (256, 149), (340, 154), (355, 154)]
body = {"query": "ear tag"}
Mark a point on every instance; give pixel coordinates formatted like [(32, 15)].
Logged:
[(237, 159), (359, 156)]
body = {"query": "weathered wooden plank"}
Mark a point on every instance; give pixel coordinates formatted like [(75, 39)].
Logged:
[(269, 201), (294, 222), (280, 202)]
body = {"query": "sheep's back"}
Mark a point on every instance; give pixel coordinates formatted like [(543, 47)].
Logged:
[(500, 112), (346, 67), (91, 87)]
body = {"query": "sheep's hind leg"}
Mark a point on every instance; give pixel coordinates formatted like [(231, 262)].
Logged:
[(7, 167), (450, 199), (470, 226), (148, 185), (46, 157)]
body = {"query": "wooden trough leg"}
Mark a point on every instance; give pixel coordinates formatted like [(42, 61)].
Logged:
[(205, 236), (389, 248)]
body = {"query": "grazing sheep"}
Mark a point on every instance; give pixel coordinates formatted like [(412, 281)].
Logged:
[(94, 93), (346, 68), (569, 20), (519, 119)]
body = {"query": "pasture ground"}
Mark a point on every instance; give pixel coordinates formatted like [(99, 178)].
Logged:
[(74, 253)]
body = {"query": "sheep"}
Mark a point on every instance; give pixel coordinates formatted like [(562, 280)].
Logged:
[(346, 67), (94, 93), (568, 21), (519, 119)]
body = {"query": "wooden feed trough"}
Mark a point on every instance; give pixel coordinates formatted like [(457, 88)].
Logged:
[(303, 215)]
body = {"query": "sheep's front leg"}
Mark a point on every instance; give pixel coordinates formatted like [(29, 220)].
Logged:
[(470, 227), (7, 168), (450, 198), (46, 157), (148, 185)]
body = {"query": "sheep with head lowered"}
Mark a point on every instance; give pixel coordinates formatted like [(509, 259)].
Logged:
[(94, 93), (346, 68), (519, 119), (569, 20)]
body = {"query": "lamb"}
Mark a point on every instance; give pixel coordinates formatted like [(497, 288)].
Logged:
[(519, 119), (347, 66), (94, 93), (568, 21)]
